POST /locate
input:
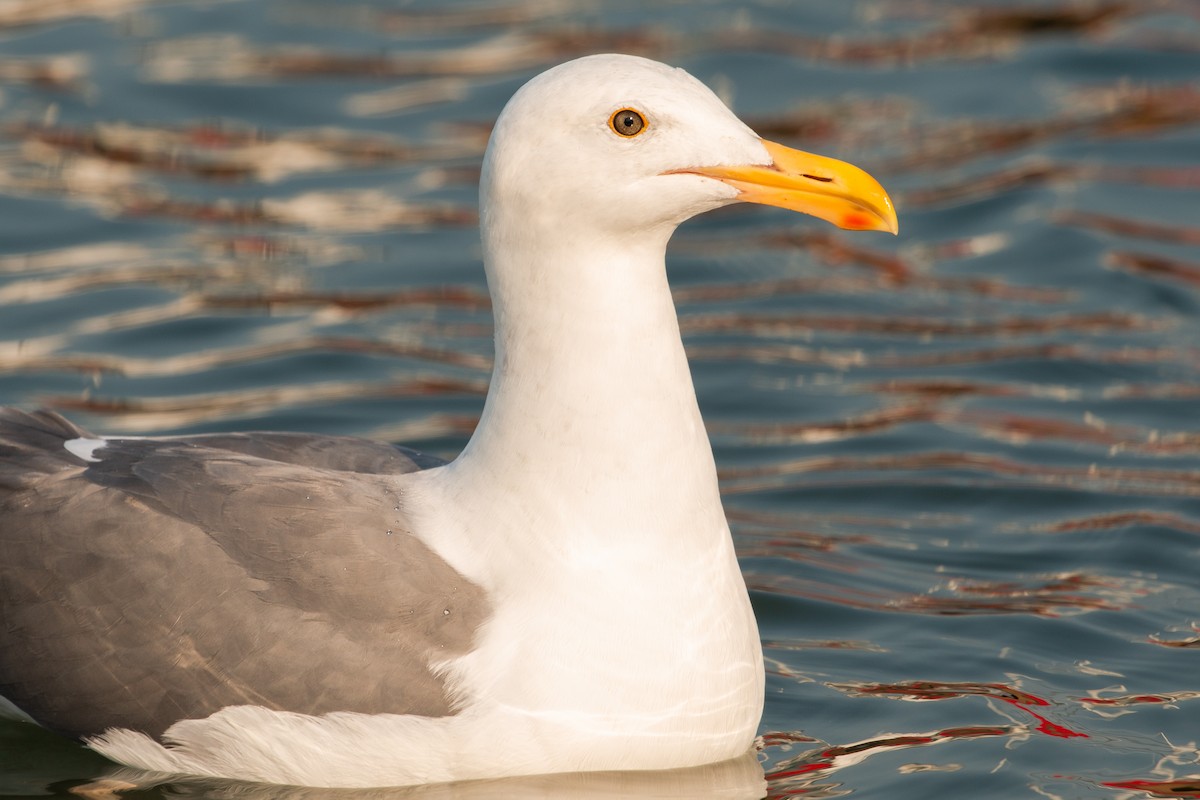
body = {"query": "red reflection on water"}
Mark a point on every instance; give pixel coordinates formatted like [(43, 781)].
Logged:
[(963, 33), (995, 423), (1157, 266), (1040, 172), (1052, 597), (232, 153), (976, 731), (1119, 110), (802, 769), (887, 271), (831, 119), (464, 297), (945, 387), (794, 324), (935, 690), (1046, 599), (783, 738), (994, 471), (1190, 642), (212, 359), (1183, 787), (1124, 519), (237, 59), (827, 644), (156, 413), (63, 73), (1023, 428), (1127, 700), (796, 776), (837, 250), (966, 33), (788, 352), (1035, 352), (1123, 226), (872, 422)]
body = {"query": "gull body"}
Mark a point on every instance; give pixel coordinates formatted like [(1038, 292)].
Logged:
[(563, 596)]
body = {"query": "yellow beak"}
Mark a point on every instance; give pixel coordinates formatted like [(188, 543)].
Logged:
[(823, 187)]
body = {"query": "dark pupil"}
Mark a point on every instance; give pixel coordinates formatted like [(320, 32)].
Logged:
[(629, 123)]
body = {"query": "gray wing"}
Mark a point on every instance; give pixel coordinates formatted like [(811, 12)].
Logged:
[(325, 452), (175, 577)]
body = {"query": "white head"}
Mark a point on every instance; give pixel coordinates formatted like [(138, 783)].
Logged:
[(591, 166), (617, 144)]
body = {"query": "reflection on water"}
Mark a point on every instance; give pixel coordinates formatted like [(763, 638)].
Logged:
[(740, 779), (961, 465), (92, 777)]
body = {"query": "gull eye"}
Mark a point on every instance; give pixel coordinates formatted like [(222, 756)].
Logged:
[(627, 123)]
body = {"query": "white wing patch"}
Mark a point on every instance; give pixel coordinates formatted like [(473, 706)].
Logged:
[(84, 448)]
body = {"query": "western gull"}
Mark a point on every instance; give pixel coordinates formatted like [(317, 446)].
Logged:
[(328, 611)]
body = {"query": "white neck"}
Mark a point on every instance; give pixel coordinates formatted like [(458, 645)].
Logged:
[(591, 404), (587, 502)]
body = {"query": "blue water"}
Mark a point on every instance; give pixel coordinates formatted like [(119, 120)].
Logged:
[(961, 465)]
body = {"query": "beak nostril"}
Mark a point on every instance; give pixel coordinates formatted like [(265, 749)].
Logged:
[(818, 178)]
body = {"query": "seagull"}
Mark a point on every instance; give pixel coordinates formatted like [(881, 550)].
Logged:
[(329, 611)]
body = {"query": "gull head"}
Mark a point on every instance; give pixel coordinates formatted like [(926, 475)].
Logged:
[(616, 144)]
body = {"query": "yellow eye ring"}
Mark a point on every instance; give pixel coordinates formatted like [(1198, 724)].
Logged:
[(627, 123)]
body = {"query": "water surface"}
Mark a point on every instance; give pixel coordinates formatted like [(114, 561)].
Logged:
[(961, 465)]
